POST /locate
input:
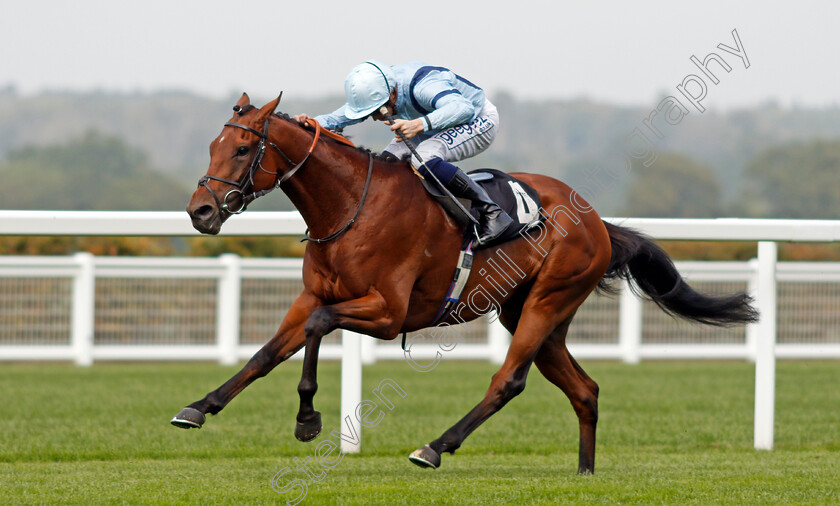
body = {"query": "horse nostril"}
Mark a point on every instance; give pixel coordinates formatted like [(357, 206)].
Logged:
[(203, 213)]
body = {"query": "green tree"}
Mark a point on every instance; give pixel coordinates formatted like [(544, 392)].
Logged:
[(673, 187), (798, 180), (89, 173)]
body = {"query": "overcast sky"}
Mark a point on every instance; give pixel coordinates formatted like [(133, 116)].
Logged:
[(618, 51)]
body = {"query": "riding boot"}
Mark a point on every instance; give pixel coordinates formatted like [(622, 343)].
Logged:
[(493, 220)]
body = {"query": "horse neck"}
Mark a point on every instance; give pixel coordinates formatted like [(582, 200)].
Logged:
[(327, 188)]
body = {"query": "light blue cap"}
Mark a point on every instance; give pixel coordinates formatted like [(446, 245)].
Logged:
[(367, 87)]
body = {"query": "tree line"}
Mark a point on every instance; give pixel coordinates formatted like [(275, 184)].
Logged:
[(145, 152)]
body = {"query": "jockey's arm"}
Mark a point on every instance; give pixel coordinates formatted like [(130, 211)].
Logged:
[(452, 109), (448, 107), (332, 121)]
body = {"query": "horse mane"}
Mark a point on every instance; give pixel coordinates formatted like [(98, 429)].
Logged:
[(382, 157)]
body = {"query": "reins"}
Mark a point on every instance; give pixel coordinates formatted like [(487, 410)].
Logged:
[(241, 187)]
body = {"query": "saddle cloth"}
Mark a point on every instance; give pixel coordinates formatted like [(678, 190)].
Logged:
[(520, 201)]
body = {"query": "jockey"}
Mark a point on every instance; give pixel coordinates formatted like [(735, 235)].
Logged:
[(450, 117)]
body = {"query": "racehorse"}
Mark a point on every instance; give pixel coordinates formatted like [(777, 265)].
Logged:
[(382, 253)]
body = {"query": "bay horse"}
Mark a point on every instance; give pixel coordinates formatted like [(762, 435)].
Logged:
[(383, 253)]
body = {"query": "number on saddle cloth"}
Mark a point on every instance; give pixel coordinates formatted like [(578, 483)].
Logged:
[(520, 201)]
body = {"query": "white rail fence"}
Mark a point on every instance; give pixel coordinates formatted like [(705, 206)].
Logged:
[(141, 308), (87, 343)]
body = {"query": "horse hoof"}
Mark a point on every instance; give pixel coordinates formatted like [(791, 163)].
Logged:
[(188, 418), (309, 429), (425, 457)]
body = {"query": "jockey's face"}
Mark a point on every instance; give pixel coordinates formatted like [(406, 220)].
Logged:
[(391, 105)]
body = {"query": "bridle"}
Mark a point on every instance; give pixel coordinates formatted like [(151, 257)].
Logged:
[(247, 182)]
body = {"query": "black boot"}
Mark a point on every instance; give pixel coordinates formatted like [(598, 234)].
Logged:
[(493, 219)]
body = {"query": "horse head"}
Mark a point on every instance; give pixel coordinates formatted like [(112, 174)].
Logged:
[(236, 175)]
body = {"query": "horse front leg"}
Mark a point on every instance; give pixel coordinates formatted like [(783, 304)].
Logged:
[(285, 343), (368, 315)]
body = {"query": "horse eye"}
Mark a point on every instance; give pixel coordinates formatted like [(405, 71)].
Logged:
[(242, 150)]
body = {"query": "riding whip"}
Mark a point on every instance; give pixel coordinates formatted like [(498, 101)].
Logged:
[(385, 112)]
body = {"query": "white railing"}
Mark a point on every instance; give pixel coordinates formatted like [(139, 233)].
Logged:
[(227, 346), (760, 342)]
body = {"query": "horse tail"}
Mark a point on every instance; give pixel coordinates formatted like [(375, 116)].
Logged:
[(637, 258)]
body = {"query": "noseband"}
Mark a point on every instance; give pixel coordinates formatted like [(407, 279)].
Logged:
[(243, 186)]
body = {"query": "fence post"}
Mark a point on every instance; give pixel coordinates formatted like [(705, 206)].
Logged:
[(368, 347), (229, 301), (629, 325), (498, 340), (84, 306), (765, 358), (351, 385)]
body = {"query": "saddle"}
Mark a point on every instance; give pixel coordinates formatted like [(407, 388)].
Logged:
[(519, 200)]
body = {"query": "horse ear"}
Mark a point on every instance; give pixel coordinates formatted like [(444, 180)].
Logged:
[(268, 109), (243, 101)]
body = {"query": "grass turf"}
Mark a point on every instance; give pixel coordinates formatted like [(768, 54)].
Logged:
[(670, 432)]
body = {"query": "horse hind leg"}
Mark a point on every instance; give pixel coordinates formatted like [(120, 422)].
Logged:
[(560, 368), (551, 302), (506, 384), (533, 326)]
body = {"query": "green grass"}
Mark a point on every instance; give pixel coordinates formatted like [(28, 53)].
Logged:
[(670, 432)]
